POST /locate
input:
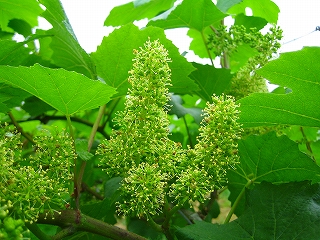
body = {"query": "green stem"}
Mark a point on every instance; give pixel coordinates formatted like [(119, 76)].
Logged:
[(19, 128), (67, 219), (237, 201), (37, 231), (206, 44), (166, 224), (95, 126), (77, 187), (154, 225), (188, 132)]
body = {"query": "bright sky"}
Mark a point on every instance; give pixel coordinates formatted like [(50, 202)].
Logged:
[(297, 18)]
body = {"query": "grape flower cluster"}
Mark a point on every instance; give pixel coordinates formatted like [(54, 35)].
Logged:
[(38, 182), (227, 41), (155, 169)]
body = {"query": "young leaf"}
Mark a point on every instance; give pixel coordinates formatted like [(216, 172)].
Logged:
[(119, 46), (132, 11), (210, 80), (298, 71), (27, 10), (191, 14), (286, 211), (68, 92), (264, 8), (270, 158), (67, 52)]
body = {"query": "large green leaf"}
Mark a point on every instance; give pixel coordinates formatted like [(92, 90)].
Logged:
[(263, 8), (27, 10), (210, 80), (10, 97), (270, 158), (224, 5), (297, 71), (13, 53), (136, 10), (250, 22), (67, 52), (68, 92), (113, 58), (286, 211), (191, 14)]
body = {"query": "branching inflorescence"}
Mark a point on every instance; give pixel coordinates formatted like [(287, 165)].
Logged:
[(38, 182), (155, 169)]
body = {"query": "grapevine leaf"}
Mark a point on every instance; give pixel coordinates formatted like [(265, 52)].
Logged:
[(67, 52), (137, 10), (68, 92), (34, 106), (286, 211), (197, 45), (191, 14), (178, 109), (250, 22), (240, 57), (264, 8), (210, 80), (10, 97), (12, 53), (270, 158), (119, 46), (295, 108), (224, 5), (27, 10)]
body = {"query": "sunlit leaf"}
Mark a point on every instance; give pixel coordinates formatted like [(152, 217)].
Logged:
[(137, 10), (67, 52), (68, 92), (118, 47), (297, 71), (191, 14), (263, 8), (27, 10)]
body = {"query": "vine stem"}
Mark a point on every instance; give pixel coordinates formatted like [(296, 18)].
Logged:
[(237, 201), (20, 129), (66, 220)]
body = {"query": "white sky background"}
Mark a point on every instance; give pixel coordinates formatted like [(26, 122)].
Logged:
[(296, 18)]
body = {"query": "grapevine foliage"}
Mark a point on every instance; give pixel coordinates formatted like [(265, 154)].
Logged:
[(135, 135)]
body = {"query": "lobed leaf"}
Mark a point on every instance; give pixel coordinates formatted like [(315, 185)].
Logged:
[(119, 46), (68, 92), (264, 8), (224, 5), (210, 80), (286, 211), (270, 158), (137, 10), (191, 14), (27, 10), (67, 52), (297, 71)]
